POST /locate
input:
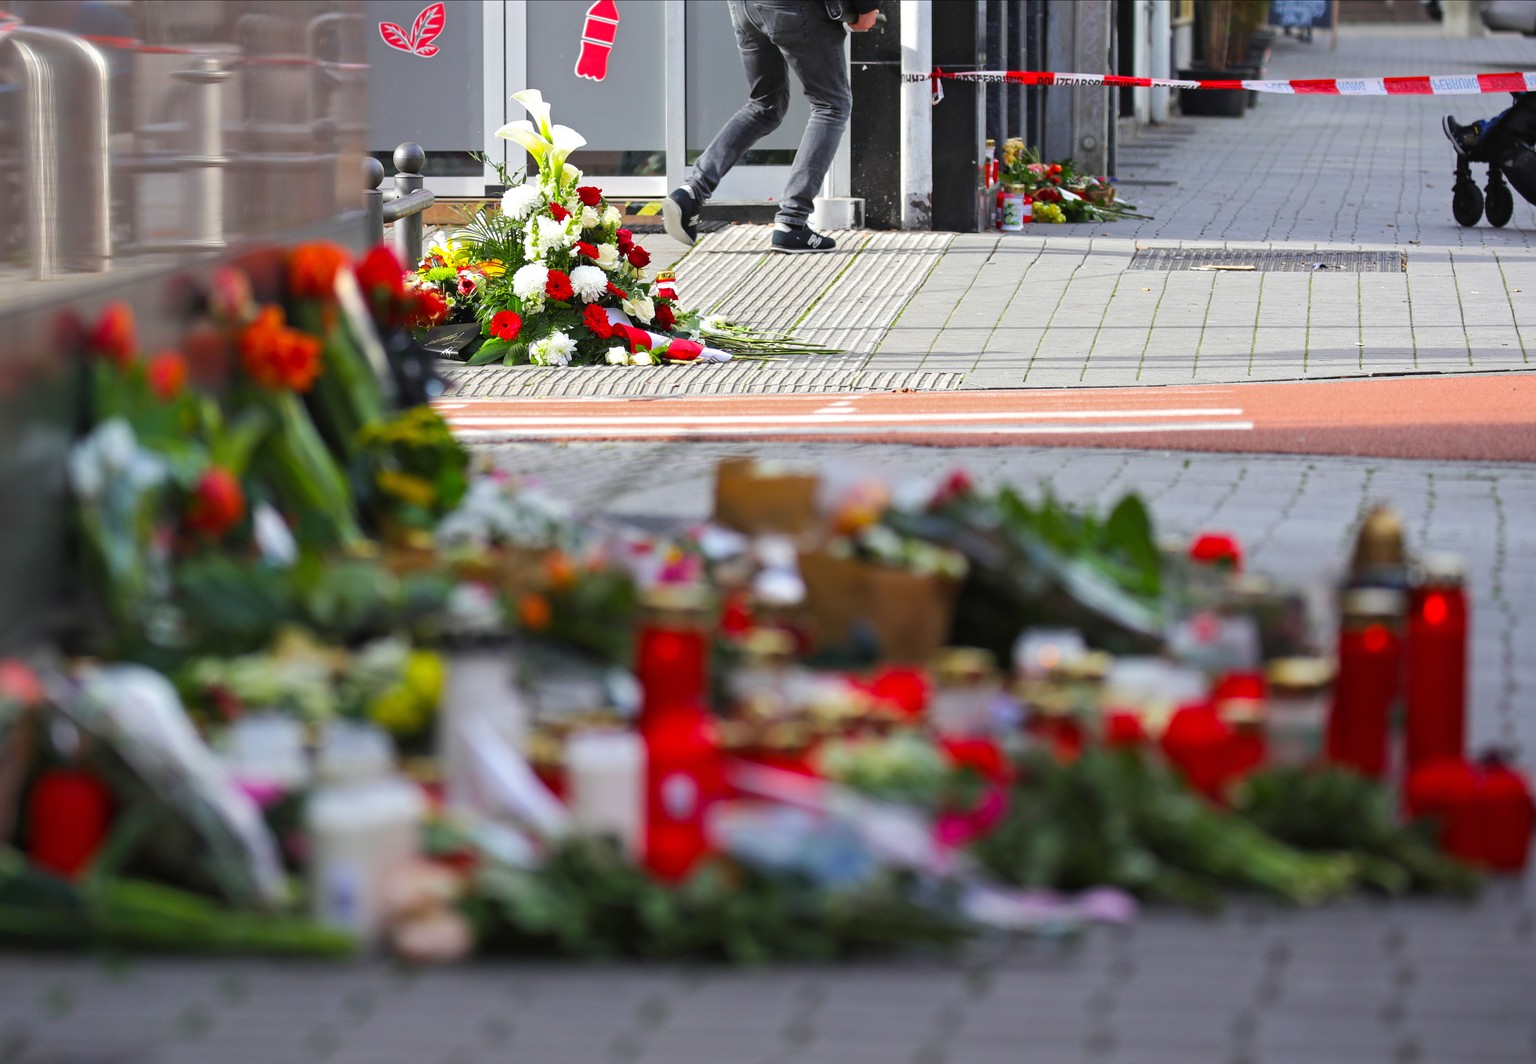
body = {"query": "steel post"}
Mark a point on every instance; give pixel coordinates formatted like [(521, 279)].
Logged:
[(373, 199), (410, 161), (204, 163)]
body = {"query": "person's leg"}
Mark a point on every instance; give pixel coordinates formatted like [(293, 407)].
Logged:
[(767, 101), (814, 48)]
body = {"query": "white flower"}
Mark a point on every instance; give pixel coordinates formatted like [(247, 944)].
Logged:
[(553, 234), (642, 358), (544, 140), (518, 202), (590, 219), (530, 280), (612, 216), (641, 308), (608, 256), (555, 349), (617, 356), (589, 282), (569, 174), (274, 540)]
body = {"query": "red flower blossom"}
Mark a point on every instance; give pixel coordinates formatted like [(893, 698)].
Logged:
[(217, 503), (664, 316), (381, 270), (276, 356), (590, 195), (1217, 548), (595, 318), (559, 212), (559, 285), (586, 250), (684, 350), (114, 337), (427, 309), (615, 290), (312, 269), (167, 373), (638, 257), (506, 325), (625, 239)]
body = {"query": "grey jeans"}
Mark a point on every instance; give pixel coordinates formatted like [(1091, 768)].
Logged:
[(775, 37)]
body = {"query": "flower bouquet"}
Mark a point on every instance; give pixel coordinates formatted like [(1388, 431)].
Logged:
[(1060, 193)]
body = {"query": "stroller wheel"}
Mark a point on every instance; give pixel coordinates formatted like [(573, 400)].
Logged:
[(1499, 204), (1467, 203)]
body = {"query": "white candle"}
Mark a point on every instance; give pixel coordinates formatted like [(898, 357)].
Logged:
[(605, 785)]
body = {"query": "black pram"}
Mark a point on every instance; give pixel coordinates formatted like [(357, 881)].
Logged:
[(1505, 145)]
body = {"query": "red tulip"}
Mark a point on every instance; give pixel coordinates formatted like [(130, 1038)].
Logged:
[(218, 503), (167, 373)]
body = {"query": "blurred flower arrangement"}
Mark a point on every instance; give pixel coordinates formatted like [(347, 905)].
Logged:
[(1060, 193)]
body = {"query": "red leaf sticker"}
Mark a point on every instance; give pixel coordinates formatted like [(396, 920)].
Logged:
[(428, 25), (426, 51), (395, 37)]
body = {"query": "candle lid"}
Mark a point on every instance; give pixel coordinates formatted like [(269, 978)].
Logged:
[(690, 601), (1380, 542), (1441, 569), (958, 665), (1090, 667), (1373, 604), (1300, 674), (765, 645)]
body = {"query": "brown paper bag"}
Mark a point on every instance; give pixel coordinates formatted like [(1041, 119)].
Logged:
[(781, 504)]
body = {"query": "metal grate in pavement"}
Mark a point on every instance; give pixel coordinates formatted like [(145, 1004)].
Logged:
[(734, 378), (1269, 260)]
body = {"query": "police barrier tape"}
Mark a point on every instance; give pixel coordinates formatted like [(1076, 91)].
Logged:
[(1422, 85)]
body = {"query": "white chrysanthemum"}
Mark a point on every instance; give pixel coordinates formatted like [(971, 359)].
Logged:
[(617, 356), (642, 358), (608, 256), (553, 234), (590, 219), (641, 308), (555, 349), (530, 280), (589, 283), (519, 201), (612, 216)]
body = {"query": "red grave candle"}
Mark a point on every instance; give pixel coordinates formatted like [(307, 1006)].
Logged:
[(68, 815), (1436, 676), (1370, 658), (684, 771)]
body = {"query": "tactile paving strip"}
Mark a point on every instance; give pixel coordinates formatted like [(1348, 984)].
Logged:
[(733, 378), (1269, 260)]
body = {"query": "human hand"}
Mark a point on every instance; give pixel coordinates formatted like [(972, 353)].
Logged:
[(864, 22)]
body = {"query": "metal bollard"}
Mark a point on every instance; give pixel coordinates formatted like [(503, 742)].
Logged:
[(410, 161), (205, 161), (373, 200)]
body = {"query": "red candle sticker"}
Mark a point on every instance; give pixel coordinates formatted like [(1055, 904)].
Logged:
[(426, 29), (597, 35)]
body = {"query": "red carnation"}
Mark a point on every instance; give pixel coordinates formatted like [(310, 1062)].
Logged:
[(506, 325), (560, 213), (595, 318), (638, 257), (559, 285), (586, 250), (114, 337), (625, 239), (217, 503), (590, 195), (381, 270), (664, 316), (615, 290)]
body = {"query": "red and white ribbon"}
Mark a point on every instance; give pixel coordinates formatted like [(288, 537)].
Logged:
[(1419, 85)]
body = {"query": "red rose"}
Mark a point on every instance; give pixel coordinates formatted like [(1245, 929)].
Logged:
[(167, 373), (559, 285), (638, 257), (590, 195), (1217, 548), (595, 318), (113, 337), (506, 325), (217, 502), (560, 213), (625, 239), (381, 270), (664, 317), (586, 250), (684, 350)]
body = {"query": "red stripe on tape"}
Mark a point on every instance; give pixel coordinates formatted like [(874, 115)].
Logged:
[(1408, 86), (1502, 82), (1315, 87)]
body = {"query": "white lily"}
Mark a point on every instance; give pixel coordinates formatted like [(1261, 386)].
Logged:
[(549, 144)]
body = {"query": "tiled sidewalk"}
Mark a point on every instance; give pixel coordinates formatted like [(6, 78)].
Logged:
[(1056, 306)]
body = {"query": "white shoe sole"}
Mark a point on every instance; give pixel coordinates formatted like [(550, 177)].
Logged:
[(672, 219), (801, 251)]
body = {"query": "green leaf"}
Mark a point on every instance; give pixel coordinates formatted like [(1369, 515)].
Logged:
[(493, 350)]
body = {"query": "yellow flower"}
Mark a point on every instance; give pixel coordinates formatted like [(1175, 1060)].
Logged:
[(412, 489), (491, 267), (424, 677), (397, 711), (450, 251)]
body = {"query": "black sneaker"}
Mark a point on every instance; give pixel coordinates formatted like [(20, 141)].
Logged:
[(801, 238), (1464, 138), (680, 212)]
